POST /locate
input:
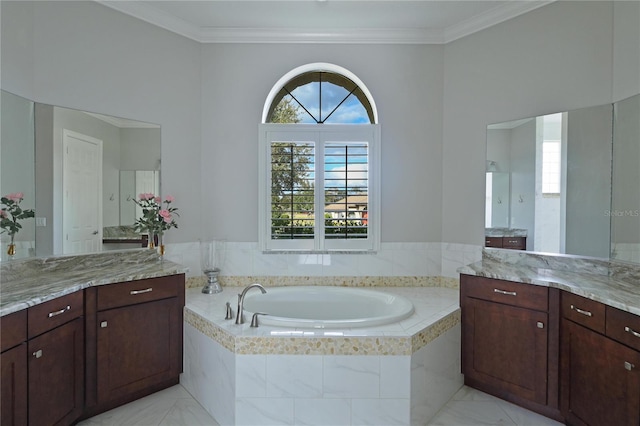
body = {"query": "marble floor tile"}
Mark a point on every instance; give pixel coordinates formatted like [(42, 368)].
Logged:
[(175, 407)]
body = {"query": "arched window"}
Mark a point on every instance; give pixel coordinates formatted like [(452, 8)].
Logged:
[(319, 173), (320, 93)]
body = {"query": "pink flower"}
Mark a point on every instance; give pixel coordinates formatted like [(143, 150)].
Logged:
[(3, 214), (169, 199), (146, 196), (16, 197), (157, 200), (166, 215)]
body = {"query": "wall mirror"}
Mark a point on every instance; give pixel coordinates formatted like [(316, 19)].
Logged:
[(568, 182), (17, 166), (625, 203), (81, 158), (88, 169)]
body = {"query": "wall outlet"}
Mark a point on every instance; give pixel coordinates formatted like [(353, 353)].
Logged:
[(41, 221)]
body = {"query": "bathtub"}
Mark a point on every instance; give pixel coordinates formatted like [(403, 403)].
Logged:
[(326, 307)]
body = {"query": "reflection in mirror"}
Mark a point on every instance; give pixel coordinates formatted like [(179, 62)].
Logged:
[(559, 168), (79, 157), (17, 165), (625, 208)]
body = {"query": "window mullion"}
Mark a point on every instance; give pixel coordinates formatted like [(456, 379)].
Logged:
[(319, 193)]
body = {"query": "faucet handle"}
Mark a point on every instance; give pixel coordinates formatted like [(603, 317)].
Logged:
[(229, 314), (254, 319)]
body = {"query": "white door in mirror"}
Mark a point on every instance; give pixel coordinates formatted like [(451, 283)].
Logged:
[(82, 193)]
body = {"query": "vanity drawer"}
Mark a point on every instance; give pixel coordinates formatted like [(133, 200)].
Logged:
[(49, 315), (493, 242), (140, 291), (508, 292), (13, 329), (623, 327), (583, 311), (519, 243)]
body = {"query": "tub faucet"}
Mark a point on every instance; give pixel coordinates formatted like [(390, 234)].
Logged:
[(240, 313)]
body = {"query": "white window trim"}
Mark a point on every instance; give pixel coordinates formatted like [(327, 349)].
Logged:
[(321, 134)]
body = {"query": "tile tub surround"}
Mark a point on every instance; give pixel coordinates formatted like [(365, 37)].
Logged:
[(28, 282), (613, 283), (399, 373)]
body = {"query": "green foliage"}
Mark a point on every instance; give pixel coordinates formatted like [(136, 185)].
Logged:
[(11, 213), (286, 112)]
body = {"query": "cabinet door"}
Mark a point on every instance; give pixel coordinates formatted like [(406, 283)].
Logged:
[(506, 348), (13, 405), (138, 346), (600, 379), (56, 375)]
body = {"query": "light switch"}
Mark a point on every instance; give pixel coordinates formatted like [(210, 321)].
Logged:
[(41, 221)]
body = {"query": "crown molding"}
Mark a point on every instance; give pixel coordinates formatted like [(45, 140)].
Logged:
[(157, 17), (319, 35), (154, 16), (490, 18), (122, 123)]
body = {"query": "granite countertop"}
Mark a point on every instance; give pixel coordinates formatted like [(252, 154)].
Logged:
[(28, 282), (505, 232), (616, 284)]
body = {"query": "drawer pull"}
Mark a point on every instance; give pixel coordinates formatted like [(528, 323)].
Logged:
[(633, 332), (38, 353), (508, 293), (146, 290), (581, 311), (61, 311)]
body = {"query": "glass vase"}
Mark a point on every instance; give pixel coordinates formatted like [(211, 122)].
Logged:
[(151, 243), (11, 248)]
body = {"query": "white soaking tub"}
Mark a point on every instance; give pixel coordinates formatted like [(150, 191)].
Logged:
[(326, 307)]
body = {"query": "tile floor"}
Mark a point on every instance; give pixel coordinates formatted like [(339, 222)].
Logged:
[(175, 407)]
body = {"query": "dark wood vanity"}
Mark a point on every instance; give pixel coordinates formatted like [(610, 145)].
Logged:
[(92, 350), (553, 352), (513, 243)]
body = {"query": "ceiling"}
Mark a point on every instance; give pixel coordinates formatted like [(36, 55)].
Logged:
[(324, 21)]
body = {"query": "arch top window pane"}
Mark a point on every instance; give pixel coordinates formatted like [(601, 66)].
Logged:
[(320, 97)]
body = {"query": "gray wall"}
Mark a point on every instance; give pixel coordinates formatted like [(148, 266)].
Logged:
[(406, 84), (85, 56), (434, 101), (555, 58)]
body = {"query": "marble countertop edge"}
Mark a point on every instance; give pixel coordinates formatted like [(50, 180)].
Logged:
[(613, 292), (19, 294)]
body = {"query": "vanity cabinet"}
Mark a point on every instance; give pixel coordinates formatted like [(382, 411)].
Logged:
[(600, 363), (136, 341), (43, 376), (510, 339), (513, 243), (13, 365)]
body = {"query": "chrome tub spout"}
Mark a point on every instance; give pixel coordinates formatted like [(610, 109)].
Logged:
[(240, 313)]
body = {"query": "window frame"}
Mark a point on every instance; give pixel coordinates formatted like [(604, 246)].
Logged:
[(319, 134)]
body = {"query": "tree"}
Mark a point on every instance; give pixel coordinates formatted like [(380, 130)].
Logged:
[(291, 191)]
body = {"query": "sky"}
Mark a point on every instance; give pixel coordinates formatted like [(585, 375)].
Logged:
[(351, 111)]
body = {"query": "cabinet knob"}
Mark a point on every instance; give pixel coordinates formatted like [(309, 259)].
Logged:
[(103, 324), (38, 353), (540, 324), (628, 366)]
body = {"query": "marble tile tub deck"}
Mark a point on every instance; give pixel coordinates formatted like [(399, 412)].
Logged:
[(399, 374)]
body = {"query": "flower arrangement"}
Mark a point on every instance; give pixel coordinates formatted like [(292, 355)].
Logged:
[(10, 215), (157, 215)]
